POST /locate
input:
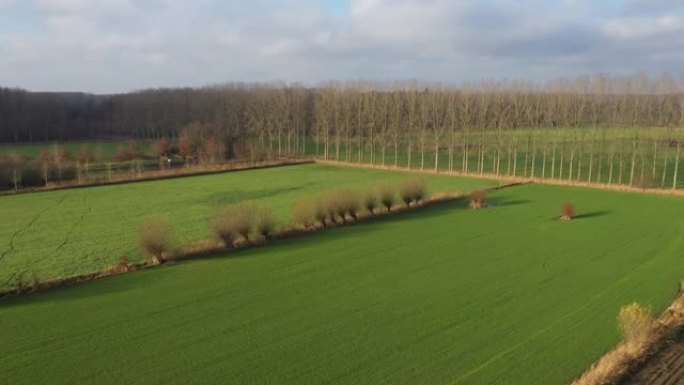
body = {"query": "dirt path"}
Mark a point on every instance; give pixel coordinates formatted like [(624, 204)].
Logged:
[(667, 368)]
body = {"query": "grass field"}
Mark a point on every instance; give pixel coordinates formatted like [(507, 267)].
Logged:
[(654, 161), (102, 149), (506, 295), (69, 232)]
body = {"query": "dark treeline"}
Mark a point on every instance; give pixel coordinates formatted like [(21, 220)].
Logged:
[(231, 110), (352, 108), (624, 130)]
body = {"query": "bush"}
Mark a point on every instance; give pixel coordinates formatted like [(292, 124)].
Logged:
[(265, 222), (155, 238), (122, 266), (370, 201), (567, 211), (328, 203), (635, 322), (303, 213), (412, 190), (386, 195), (223, 226), (320, 212), (339, 202), (244, 219), (478, 199), (351, 203)]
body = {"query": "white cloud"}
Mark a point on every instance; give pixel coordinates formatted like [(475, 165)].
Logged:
[(183, 42)]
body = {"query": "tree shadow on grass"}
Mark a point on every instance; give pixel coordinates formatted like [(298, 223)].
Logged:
[(505, 202), (592, 214), (73, 291)]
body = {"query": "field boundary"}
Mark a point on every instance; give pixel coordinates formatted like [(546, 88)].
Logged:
[(509, 179), (209, 249), (167, 174), (622, 362)]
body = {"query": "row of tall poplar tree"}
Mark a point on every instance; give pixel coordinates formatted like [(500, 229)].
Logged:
[(626, 125)]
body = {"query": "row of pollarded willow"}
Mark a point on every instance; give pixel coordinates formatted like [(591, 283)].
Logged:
[(239, 224)]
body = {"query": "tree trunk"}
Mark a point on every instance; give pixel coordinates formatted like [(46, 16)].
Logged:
[(676, 165)]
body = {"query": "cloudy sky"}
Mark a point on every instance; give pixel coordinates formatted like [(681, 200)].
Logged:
[(120, 45)]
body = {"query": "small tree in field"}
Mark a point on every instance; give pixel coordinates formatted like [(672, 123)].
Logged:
[(635, 322), (303, 213), (155, 238), (370, 201), (329, 204), (163, 147), (62, 159), (386, 196), (351, 204), (265, 222), (320, 212), (244, 219), (478, 199), (567, 211), (85, 157), (46, 159), (223, 226), (18, 163), (340, 202), (412, 190)]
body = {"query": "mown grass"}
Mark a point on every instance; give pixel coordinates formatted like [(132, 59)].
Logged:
[(446, 295), (69, 232)]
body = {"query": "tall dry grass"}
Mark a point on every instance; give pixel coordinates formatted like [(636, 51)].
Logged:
[(639, 333)]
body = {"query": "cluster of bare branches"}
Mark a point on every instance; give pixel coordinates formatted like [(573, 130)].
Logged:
[(625, 130)]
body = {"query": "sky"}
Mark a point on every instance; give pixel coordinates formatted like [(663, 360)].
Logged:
[(107, 46)]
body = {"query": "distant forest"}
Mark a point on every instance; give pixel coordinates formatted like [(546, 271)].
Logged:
[(368, 110)]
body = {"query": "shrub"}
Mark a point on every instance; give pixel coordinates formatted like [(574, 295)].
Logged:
[(265, 222), (412, 190), (328, 203), (155, 237), (386, 195), (223, 226), (351, 203), (567, 211), (320, 213), (370, 201), (244, 219), (634, 322), (339, 202), (478, 199), (122, 266), (303, 213)]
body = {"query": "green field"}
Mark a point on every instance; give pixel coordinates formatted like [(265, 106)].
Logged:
[(102, 149), (69, 232), (575, 149), (506, 295)]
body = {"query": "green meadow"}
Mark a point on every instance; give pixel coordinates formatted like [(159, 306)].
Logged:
[(62, 233), (103, 150), (443, 295)]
